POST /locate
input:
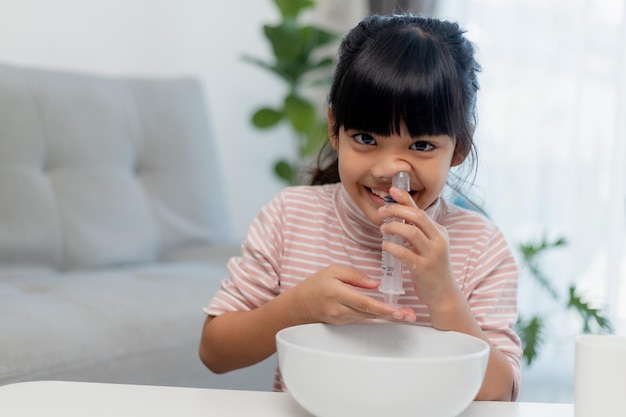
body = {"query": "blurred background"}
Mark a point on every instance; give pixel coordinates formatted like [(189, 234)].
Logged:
[(551, 133)]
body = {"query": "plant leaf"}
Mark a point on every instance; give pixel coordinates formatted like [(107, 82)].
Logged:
[(285, 171), (531, 333), (292, 8), (531, 253), (322, 63), (314, 139), (588, 314), (293, 45), (285, 39), (313, 37), (300, 112), (269, 67), (265, 118), (258, 62)]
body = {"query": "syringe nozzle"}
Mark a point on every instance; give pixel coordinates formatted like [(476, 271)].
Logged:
[(391, 299), (401, 181)]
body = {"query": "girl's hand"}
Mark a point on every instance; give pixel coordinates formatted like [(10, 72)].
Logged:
[(428, 255), (329, 296)]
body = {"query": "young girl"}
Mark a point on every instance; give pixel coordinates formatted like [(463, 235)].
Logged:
[(402, 99)]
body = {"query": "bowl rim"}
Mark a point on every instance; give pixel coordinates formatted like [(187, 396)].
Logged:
[(484, 350)]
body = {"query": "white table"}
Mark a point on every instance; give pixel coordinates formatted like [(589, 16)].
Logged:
[(82, 399)]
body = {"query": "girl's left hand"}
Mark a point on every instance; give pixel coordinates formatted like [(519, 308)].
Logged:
[(427, 256)]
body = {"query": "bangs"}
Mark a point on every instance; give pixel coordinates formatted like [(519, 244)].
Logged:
[(400, 78)]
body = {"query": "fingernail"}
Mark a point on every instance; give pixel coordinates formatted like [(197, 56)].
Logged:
[(396, 315), (372, 281)]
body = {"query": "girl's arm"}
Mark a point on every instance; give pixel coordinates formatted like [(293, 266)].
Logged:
[(428, 259), (454, 314), (238, 339)]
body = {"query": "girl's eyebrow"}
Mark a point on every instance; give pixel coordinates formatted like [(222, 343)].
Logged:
[(430, 138)]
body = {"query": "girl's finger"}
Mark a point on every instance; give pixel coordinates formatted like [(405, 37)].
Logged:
[(414, 217), (364, 306), (370, 307), (402, 197), (354, 278)]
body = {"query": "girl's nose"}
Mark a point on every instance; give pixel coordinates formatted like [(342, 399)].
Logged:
[(388, 167)]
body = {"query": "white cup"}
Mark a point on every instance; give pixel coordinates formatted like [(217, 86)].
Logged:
[(600, 376)]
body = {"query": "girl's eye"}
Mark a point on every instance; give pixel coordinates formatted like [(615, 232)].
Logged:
[(422, 146), (364, 139)]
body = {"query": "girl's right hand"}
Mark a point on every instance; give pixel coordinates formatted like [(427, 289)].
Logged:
[(329, 296)]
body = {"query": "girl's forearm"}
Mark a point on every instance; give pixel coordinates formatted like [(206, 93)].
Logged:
[(456, 315), (498, 382), (238, 339)]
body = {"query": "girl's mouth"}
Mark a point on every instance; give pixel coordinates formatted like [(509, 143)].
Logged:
[(380, 194)]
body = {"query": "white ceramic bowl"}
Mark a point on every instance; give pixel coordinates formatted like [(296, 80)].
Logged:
[(381, 369)]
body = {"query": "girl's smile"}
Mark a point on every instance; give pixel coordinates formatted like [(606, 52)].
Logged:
[(378, 194)]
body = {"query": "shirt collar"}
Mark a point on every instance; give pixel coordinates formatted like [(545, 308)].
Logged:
[(358, 227)]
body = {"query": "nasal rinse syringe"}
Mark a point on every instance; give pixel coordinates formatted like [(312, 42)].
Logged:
[(391, 274)]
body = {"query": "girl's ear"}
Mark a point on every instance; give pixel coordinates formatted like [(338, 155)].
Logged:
[(462, 149), (332, 138), (460, 153)]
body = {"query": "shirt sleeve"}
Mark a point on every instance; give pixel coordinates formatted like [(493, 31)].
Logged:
[(492, 289), (254, 277)]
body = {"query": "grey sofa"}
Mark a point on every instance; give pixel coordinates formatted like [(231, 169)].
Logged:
[(114, 231)]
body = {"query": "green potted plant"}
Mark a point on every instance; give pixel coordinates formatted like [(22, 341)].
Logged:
[(299, 60), (531, 328)]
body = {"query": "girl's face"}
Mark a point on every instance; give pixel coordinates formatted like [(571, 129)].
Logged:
[(368, 162)]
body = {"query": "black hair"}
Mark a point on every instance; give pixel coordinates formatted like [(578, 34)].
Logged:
[(403, 69)]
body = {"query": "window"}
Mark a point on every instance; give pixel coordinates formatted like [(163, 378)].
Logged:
[(551, 140)]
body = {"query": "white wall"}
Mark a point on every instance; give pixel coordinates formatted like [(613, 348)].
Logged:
[(203, 38)]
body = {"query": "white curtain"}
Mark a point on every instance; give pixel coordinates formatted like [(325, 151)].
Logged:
[(552, 157)]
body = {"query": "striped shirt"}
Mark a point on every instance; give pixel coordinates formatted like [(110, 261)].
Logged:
[(307, 228)]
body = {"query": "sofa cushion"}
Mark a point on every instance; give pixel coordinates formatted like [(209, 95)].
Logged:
[(98, 171), (74, 320)]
